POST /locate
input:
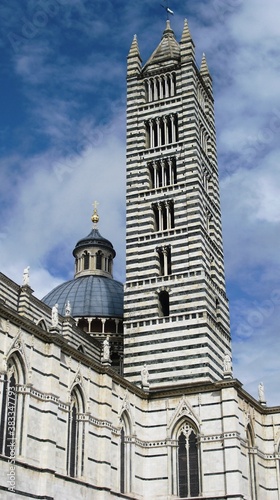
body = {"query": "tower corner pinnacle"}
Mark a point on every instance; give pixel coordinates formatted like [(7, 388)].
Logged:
[(134, 61), (187, 45), (205, 73), (204, 70), (186, 34)]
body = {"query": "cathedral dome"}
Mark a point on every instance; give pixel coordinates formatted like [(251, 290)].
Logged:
[(89, 296), (93, 293)]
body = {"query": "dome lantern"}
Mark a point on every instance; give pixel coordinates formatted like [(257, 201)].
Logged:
[(94, 254)]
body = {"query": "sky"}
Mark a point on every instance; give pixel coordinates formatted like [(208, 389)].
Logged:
[(62, 145)]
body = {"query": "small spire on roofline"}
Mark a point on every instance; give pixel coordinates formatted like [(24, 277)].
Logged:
[(186, 35), (204, 66)]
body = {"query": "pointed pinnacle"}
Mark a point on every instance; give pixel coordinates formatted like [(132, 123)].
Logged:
[(134, 49), (204, 66), (186, 35)]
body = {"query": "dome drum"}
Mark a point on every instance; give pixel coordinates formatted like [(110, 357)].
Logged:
[(100, 327)]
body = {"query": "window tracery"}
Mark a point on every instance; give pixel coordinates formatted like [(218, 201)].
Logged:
[(186, 461)]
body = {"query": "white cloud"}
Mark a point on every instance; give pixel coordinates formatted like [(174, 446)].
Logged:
[(54, 202)]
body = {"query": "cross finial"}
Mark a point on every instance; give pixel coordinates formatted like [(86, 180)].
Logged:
[(95, 216)]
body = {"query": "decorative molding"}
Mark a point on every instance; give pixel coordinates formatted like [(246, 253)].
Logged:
[(18, 345), (183, 409)]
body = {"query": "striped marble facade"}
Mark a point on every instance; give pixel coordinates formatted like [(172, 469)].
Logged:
[(176, 310)]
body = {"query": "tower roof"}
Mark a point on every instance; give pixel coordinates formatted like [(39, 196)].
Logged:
[(167, 51)]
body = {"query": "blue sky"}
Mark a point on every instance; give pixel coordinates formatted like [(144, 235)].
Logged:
[(63, 69)]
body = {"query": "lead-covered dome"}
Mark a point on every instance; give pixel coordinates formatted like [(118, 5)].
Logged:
[(89, 296)]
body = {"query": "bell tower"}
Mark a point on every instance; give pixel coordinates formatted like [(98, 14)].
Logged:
[(176, 310)]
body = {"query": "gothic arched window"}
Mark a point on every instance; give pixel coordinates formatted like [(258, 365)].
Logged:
[(188, 473), (125, 454), (12, 408), (76, 435)]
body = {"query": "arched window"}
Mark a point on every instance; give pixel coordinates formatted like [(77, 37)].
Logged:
[(161, 130), (99, 260), (251, 463), (188, 473), (76, 435), (86, 260), (162, 173), (164, 256), (110, 264), (163, 215), (125, 454), (12, 408), (163, 299)]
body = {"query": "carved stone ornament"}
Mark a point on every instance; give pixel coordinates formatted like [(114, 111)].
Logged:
[(183, 409), (18, 345)]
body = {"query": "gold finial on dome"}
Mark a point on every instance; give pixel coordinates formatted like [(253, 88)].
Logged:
[(95, 216)]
